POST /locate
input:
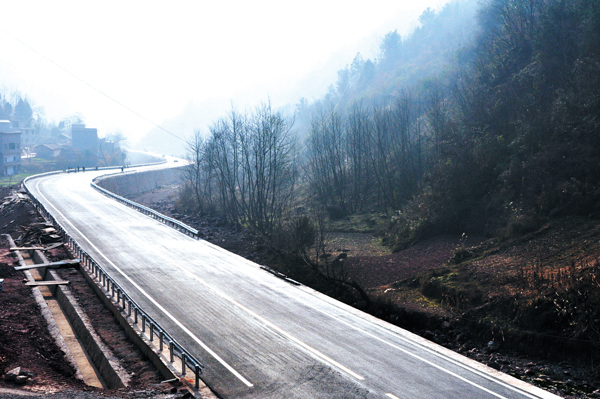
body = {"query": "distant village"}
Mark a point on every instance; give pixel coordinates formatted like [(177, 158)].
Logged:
[(25, 149)]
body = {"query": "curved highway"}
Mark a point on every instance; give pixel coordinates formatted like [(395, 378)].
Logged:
[(257, 335)]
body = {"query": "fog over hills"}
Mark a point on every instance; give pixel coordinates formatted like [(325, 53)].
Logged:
[(284, 93)]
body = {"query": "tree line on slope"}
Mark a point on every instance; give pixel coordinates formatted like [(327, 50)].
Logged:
[(493, 137)]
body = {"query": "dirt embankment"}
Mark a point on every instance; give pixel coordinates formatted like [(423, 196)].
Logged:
[(25, 340), (421, 289)]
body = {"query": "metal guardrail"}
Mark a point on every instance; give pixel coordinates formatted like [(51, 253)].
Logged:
[(176, 224), (118, 295)]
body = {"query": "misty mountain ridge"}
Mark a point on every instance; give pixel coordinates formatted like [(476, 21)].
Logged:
[(423, 54)]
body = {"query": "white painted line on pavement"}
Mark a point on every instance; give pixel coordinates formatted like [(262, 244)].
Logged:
[(389, 395), (273, 326), (304, 345), (425, 360), (185, 329)]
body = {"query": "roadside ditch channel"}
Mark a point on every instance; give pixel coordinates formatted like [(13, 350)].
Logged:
[(93, 361)]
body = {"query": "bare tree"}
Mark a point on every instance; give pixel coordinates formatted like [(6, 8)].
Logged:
[(246, 168), (327, 166), (269, 169), (396, 151), (359, 125)]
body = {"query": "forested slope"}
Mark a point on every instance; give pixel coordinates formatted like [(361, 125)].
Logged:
[(489, 127)]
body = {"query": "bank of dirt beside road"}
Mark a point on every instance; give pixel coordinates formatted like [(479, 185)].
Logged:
[(403, 287), (25, 340)]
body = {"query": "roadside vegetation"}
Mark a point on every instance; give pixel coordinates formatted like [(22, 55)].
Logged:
[(483, 122)]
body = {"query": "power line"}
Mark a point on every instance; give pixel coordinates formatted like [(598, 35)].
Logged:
[(92, 87)]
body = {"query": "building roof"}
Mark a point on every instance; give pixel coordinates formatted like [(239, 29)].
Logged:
[(50, 146)]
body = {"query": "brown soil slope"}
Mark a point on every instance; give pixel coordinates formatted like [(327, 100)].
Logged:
[(481, 298)]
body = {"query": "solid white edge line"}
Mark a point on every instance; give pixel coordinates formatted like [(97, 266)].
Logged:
[(389, 395), (271, 325), (469, 368), (185, 329), (312, 350), (299, 342), (415, 356)]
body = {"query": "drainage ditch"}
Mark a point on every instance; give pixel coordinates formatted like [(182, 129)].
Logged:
[(69, 325)]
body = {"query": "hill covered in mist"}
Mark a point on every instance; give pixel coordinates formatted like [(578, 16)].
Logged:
[(484, 119)]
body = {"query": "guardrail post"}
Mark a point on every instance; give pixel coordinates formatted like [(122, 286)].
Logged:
[(151, 331), (171, 350), (143, 323), (160, 341), (135, 312), (197, 372), (183, 363)]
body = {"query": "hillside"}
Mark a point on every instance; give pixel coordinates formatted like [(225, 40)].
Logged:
[(510, 304), (482, 125)]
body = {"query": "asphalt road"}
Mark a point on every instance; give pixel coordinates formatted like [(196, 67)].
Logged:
[(257, 335)]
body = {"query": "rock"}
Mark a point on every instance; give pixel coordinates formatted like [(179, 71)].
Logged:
[(12, 374), (21, 379), (493, 345), (27, 373)]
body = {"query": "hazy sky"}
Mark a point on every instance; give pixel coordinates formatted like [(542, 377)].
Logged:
[(156, 57)]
